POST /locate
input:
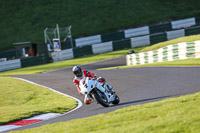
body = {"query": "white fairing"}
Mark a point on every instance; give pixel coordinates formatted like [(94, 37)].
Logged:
[(87, 85)]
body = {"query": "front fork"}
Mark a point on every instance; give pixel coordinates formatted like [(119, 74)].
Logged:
[(103, 88)]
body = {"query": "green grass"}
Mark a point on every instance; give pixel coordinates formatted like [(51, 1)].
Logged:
[(23, 20), (177, 115), (19, 99)]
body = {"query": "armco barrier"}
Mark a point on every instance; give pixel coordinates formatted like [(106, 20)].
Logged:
[(62, 55), (88, 40), (139, 31), (10, 55), (122, 44), (140, 41), (128, 43), (112, 36), (158, 37), (33, 60), (197, 20), (192, 31), (169, 53), (183, 23), (136, 32), (175, 34), (102, 47), (11, 64), (160, 28), (81, 51)]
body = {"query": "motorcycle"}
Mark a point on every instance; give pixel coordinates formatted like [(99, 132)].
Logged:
[(98, 92)]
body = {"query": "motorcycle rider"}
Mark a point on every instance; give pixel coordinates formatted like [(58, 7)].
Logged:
[(79, 74)]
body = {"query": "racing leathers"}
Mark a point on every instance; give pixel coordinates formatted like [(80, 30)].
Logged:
[(85, 74)]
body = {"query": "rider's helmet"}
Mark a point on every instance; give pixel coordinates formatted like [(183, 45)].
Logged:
[(77, 71)]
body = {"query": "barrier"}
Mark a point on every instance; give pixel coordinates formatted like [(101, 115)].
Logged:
[(159, 37), (160, 27), (173, 52), (102, 47), (122, 44), (192, 31), (88, 40), (183, 23), (34, 60), (175, 34), (11, 64), (112, 36), (140, 41), (62, 55), (81, 51), (139, 31), (136, 32)]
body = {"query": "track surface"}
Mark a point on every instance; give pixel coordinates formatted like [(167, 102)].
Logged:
[(134, 86)]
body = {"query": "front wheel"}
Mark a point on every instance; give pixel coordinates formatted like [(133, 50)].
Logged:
[(116, 101), (101, 98)]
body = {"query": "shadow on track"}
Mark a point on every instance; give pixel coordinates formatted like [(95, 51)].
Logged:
[(143, 100)]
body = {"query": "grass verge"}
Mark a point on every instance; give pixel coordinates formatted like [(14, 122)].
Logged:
[(171, 115), (19, 99)]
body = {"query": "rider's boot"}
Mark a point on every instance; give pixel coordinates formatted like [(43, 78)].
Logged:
[(87, 99)]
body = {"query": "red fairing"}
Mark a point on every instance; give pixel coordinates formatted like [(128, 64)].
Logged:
[(89, 74), (101, 80)]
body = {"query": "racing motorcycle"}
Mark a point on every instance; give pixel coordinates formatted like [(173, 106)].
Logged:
[(98, 92)]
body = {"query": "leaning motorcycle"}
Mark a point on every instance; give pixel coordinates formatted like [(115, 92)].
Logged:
[(98, 92)]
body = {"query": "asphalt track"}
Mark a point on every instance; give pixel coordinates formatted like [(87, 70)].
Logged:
[(134, 86)]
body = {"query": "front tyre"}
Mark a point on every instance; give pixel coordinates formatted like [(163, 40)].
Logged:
[(116, 101), (101, 98)]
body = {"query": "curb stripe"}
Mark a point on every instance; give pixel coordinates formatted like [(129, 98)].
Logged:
[(24, 122)]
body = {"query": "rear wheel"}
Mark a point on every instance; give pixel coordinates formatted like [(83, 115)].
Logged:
[(101, 98)]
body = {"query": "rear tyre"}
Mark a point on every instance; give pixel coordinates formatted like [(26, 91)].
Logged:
[(116, 101), (101, 98)]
